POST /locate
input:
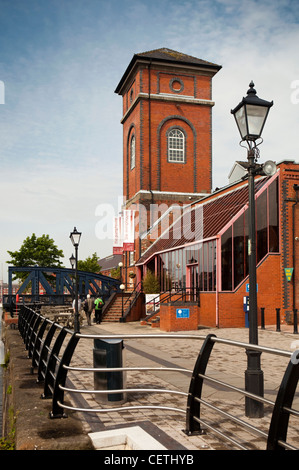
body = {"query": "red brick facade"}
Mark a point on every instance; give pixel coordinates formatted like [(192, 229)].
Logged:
[(158, 96), (164, 90), (224, 309)]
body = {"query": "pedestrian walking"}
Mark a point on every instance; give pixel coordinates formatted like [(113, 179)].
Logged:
[(98, 309), (88, 308)]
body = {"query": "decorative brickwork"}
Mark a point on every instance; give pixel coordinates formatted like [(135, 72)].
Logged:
[(164, 90)]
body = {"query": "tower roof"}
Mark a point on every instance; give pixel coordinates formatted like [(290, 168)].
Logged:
[(174, 56), (167, 55)]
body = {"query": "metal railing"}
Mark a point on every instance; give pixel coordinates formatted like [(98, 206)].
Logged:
[(278, 319), (183, 294), (53, 364)]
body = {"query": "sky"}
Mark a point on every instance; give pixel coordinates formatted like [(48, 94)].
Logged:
[(60, 130)]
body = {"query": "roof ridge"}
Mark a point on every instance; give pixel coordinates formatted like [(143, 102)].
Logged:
[(175, 54)]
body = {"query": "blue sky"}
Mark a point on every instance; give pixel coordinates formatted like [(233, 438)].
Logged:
[(60, 131)]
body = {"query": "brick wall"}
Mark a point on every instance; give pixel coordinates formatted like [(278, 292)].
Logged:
[(150, 119), (170, 322)]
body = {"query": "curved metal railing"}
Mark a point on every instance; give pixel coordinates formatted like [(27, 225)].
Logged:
[(51, 347)]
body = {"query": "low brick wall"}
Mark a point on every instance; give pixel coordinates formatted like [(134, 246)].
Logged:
[(179, 316)]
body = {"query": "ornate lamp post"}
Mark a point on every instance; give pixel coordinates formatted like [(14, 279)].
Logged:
[(250, 115), (73, 264), (75, 239), (122, 288)]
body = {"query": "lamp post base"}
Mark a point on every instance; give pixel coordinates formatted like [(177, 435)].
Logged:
[(254, 383)]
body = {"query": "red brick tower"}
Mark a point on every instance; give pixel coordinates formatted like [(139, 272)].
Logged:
[(167, 155)]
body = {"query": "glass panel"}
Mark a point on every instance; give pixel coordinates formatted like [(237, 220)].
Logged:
[(256, 116), (273, 217), (214, 266), (239, 251), (132, 151), (241, 121), (176, 143), (246, 237), (200, 268), (261, 226), (211, 266), (206, 266), (226, 259)]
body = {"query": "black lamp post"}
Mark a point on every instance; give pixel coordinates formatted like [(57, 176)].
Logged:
[(122, 288), (250, 115), (73, 264), (75, 238)]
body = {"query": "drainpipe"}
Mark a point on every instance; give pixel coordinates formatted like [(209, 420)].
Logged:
[(150, 142), (218, 276), (296, 188), (149, 127)]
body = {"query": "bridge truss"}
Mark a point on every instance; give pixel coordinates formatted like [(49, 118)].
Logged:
[(57, 285)]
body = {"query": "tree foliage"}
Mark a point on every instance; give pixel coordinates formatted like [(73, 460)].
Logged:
[(151, 284), (40, 251), (36, 251), (90, 265)]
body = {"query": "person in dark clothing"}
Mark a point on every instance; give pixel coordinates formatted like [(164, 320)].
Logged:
[(98, 303), (88, 308)]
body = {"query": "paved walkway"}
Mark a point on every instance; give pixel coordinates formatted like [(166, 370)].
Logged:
[(227, 363)]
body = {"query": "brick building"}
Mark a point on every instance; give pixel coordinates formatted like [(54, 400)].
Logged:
[(206, 248), (167, 155), (189, 236)]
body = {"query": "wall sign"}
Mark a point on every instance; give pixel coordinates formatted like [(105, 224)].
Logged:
[(289, 273), (182, 312)]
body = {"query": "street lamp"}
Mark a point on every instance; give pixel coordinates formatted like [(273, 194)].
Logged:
[(122, 288), (250, 115), (73, 264), (75, 239), (73, 261)]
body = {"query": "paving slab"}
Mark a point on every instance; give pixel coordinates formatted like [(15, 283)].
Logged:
[(227, 364)]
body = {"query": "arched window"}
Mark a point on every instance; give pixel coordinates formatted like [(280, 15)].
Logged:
[(176, 146), (132, 153)]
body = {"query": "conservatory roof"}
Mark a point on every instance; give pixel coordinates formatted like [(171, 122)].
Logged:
[(203, 220)]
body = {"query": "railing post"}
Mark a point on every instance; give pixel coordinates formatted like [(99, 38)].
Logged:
[(60, 379), (295, 320), (51, 366), (37, 348), (278, 319), (195, 389), (42, 365), (26, 330), (262, 318), (33, 333), (280, 416)]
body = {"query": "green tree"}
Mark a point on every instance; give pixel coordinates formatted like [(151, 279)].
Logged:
[(115, 273), (40, 251), (90, 265), (151, 284)]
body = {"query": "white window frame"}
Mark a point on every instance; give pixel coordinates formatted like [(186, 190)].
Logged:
[(132, 152), (176, 146)]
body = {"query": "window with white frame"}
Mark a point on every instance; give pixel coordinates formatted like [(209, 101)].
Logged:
[(176, 146), (132, 153)]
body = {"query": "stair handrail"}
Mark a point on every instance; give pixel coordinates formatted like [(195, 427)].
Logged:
[(182, 292), (132, 299)]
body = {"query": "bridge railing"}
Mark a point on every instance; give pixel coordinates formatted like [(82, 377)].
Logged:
[(54, 363), (49, 345)]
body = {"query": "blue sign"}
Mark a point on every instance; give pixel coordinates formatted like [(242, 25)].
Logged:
[(246, 304), (182, 312), (247, 288)]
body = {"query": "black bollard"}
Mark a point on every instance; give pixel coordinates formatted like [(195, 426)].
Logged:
[(278, 319)]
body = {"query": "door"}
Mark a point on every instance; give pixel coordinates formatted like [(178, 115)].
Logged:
[(192, 282)]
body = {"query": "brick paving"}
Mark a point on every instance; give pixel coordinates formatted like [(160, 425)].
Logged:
[(227, 363)]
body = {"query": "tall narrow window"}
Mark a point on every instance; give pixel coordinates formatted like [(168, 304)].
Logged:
[(132, 153), (176, 146)]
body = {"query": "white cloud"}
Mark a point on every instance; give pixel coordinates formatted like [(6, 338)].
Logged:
[(60, 131)]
